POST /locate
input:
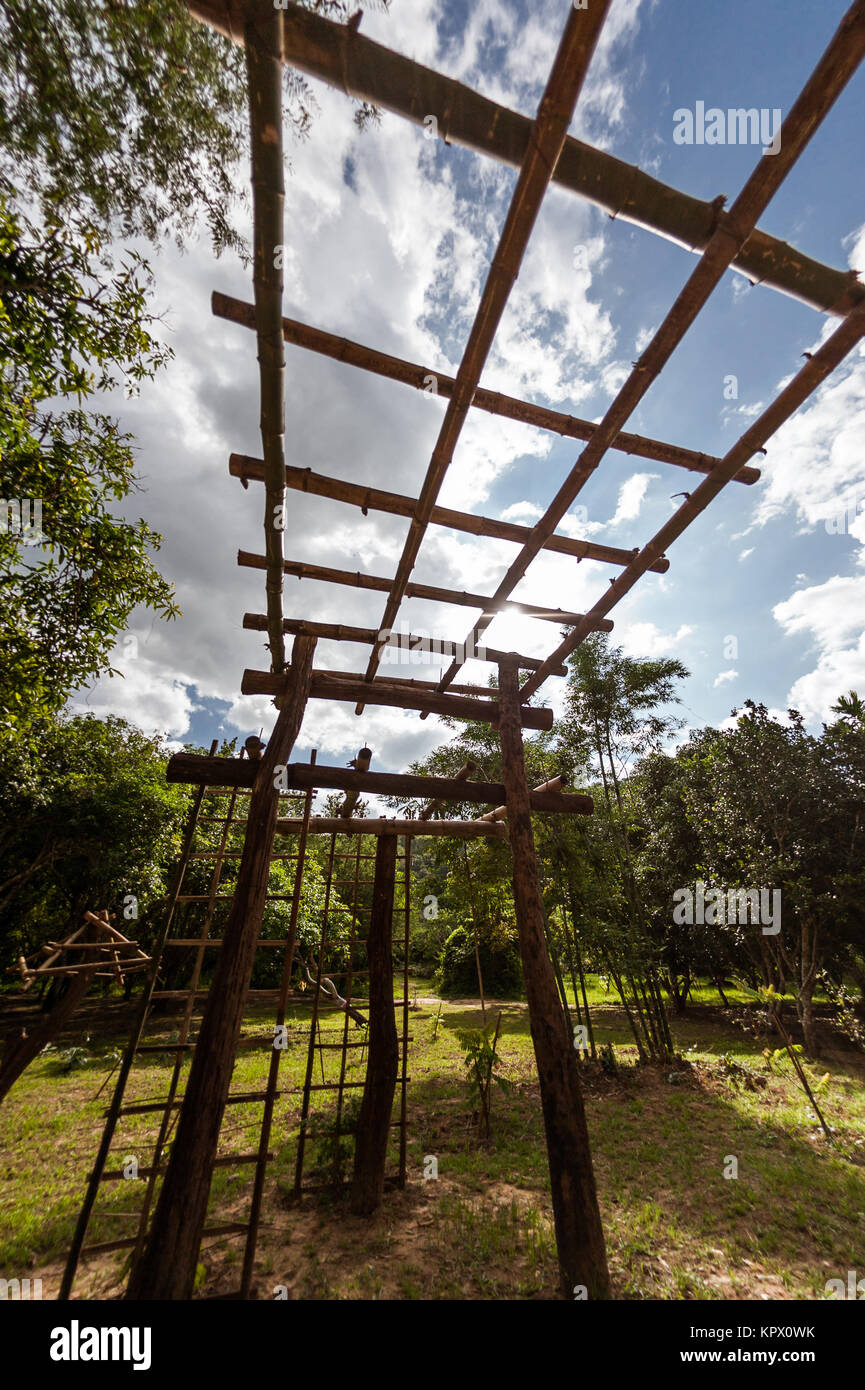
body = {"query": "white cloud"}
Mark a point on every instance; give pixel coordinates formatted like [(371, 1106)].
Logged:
[(646, 639), (743, 554), (150, 697), (723, 677), (522, 511)]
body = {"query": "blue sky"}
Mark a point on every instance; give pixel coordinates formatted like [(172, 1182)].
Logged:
[(389, 236)]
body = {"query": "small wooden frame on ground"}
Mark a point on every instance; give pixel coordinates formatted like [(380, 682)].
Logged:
[(95, 951)]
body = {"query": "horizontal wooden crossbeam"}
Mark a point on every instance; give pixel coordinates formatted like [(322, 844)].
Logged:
[(493, 402), (326, 686), (376, 500), (327, 575), (198, 769), (360, 825), (370, 636), (347, 59), (815, 371)]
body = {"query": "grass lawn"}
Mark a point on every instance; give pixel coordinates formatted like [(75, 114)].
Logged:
[(662, 1139)]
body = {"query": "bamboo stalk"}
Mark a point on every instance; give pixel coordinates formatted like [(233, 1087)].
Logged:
[(383, 364), (344, 58), (264, 58), (397, 504), (340, 632), (325, 574), (360, 825)]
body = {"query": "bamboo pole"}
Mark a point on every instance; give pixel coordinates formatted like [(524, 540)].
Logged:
[(398, 504), (835, 68), (361, 825), (264, 58), (327, 574), (380, 692), (537, 800), (339, 55), (403, 641), (548, 132), (382, 364)]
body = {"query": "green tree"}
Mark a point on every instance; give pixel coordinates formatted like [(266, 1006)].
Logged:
[(772, 806), (88, 821), (67, 591), (130, 115)]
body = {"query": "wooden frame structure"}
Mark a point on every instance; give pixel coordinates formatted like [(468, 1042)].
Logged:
[(543, 153)]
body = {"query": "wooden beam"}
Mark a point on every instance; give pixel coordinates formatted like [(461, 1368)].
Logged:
[(579, 1234), (264, 58), (396, 504), (346, 59), (834, 70), (200, 770), (398, 641), (549, 129), (302, 335), (373, 1123), (367, 825), (325, 574), (811, 375), (324, 686), (167, 1267)]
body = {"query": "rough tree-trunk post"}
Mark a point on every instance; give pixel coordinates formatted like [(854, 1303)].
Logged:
[(167, 1268), (373, 1126), (579, 1234)]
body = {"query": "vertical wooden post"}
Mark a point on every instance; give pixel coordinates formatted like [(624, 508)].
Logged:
[(264, 50), (579, 1234), (166, 1270), (373, 1125)]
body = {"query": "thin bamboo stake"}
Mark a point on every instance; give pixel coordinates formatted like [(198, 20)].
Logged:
[(493, 402), (403, 641), (327, 574)]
